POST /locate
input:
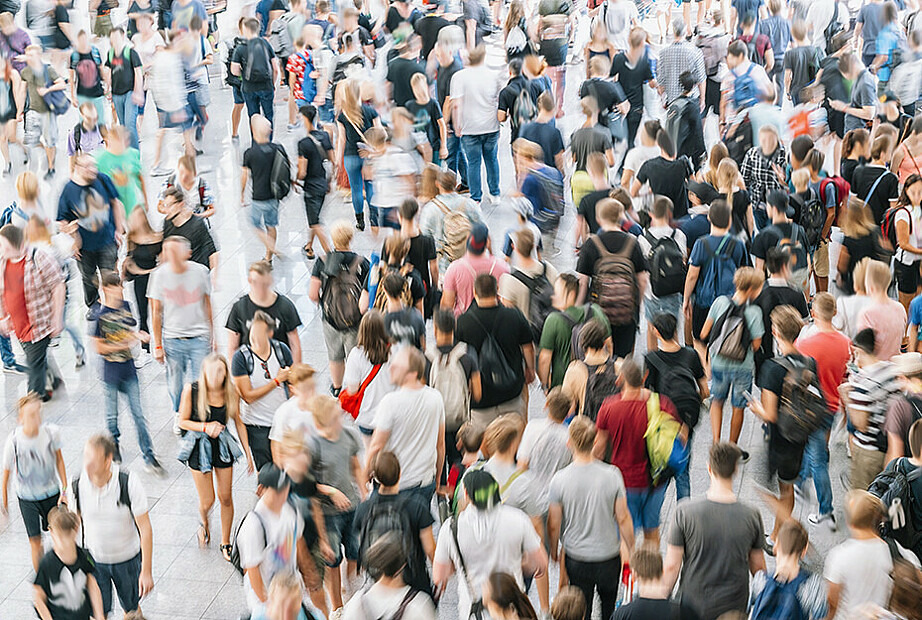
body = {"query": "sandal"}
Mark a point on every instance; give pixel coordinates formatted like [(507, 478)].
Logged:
[(204, 537), (226, 552)]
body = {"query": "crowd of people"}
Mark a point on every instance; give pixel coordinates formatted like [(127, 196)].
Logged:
[(747, 200)]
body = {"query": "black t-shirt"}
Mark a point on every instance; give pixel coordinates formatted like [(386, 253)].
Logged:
[(510, 93), (655, 609), (258, 159), (61, 16), (739, 210), (888, 188), (832, 80), (771, 235), (545, 135), (511, 331), (241, 55), (394, 19), (282, 310), (399, 72), (422, 250), (300, 497), (858, 248), (771, 378), (685, 357), (315, 151), (426, 118), (428, 28), (443, 81), (668, 178), (64, 585), (123, 66), (770, 298), (847, 168), (633, 78), (588, 140), (614, 241), (607, 95), (587, 206), (89, 77), (196, 231), (352, 134), (405, 327)]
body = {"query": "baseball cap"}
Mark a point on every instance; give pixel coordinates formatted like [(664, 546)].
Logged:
[(908, 364), (477, 242), (271, 477), (705, 193)]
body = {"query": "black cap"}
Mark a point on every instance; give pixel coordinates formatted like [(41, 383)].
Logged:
[(705, 192), (865, 340), (271, 477)]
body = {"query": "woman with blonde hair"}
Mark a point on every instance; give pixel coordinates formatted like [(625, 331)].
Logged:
[(850, 307), (718, 153), (862, 240), (207, 447), (729, 182), (27, 202), (354, 119)]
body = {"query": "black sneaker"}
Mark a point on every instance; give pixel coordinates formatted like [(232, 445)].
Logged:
[(155, 468), (117, 457), (335, 391), (744, 456), (360, 221)]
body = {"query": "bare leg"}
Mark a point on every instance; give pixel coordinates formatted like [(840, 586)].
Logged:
[(736, 424), (335, 587), (204, 486), (225, 476), (320, 233), (717, 414), (337, 370), (35, 546), (651, 338), (236, 113)]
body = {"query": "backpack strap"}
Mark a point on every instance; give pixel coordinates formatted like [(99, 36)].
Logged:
[(519, 472), (407, 599), (248, 358), (124, 498), (874, 186), (454, 535)]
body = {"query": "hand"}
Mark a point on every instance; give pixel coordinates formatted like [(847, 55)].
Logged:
[(41, 90), (756, 407), (251, 466), (158, 354), (6, 326), (529, 375), (145, 584), (687, 309), (554, 554), (443, 153), (144, 337), (58, 326), (62, 499), (282, 377), (4, 510), (340, 500), (624, 107), (213, 429), (327, 551), (137, 98), (243, 199), (779, 172)]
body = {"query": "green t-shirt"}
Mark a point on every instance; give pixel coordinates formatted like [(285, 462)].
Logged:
[(753, 314), (125, 172), (556, 337)]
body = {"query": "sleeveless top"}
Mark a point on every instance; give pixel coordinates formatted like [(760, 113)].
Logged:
[(215, 414)]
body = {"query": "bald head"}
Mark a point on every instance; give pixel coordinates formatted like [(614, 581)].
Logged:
[(260, 127)]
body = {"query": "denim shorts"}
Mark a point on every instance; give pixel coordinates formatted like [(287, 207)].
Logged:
[(342, 536), (238, 95), (645, 506), (670, 304), (739, 379), (124, 576), (265, 213)]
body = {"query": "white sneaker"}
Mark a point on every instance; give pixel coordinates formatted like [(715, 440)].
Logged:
[(143, 359), (829, 519), (176, 430)]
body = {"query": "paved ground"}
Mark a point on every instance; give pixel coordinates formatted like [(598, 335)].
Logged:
[(198, 583)]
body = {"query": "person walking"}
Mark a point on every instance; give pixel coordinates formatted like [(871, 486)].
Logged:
[(259, 161), (258, 68), (263, 297)]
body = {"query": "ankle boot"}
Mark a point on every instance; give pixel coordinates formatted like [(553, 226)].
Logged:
[(360, 221)]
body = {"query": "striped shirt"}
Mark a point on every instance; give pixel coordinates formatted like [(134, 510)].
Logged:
[(870, 391)]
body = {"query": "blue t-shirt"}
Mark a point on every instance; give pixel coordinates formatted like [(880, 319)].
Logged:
[(534, 190), (182, 15), (115, 325), (717, 267), (888, 41), (694, 226), (545, 135), (744, 7), (915, 313), (91, 206), (753, 315)]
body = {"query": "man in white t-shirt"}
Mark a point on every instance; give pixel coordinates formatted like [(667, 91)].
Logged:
[(269, 538), (411, 423), (295, 413), (116, 527), (619, 17), (488, 537), (858, 570)]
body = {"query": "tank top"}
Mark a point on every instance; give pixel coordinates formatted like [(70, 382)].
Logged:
[(215, 414)]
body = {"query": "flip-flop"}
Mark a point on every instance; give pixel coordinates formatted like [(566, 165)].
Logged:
[(204, 537), (226, 552)]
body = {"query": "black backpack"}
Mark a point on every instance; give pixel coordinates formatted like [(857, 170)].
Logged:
[(124, 498), (280, 173), (523, 110), (812, 219), (667, 265), (341, 292), (600, 384), (259, 61), (730, 337), (894, 488), (540, 305), (235, 549), (229, 78), (383, 518), (497, 373), (832, 29), (801, 407), (680, 385)]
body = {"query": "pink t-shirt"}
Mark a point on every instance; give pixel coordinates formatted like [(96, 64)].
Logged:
[(888, 320), (460, 276)]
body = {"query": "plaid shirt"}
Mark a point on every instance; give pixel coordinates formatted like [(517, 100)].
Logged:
[(758, 174), (674, 60), (42, 274)]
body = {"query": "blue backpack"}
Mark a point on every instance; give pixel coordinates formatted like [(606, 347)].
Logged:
[(717, 273), (745, 93), (778, 600)]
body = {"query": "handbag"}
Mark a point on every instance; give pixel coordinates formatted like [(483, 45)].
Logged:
[(56, 100), (352, 402)]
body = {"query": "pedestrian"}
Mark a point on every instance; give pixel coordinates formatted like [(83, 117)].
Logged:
[(284, 599), (887, 317), (259, 161), (125, 81), (778, 291), (116, 529), (86, 81), (263, 297), (543, 131), (368, 365), (40, 122), (588, 382), (354, 119), (199, 197), (313, 151), (182, 335), (207, 406), (449, 218), (122, 164), (458, 283), (647, 571), (502, 597), (258, 68), (181, 221), (527, 274)]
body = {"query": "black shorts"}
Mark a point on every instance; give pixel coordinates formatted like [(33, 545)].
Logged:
[(699, 318), (35, 514), (313, 203), (711, 94), (784, 458), (835, 120), (907, 278), (622, 339), (195, 461)]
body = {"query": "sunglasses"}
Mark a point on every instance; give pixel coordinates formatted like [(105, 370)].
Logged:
[(265, 370)]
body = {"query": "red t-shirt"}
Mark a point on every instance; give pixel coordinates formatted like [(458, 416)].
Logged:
[(831, 350), (14, 299), (625, 421)]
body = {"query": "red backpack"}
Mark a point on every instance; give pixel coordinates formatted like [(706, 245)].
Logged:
[(841, 187)]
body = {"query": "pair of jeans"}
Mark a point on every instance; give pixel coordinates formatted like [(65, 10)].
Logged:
[(260, 102), (92, 261), (37, 361), (634, 118), (683, 480), (127, 112), (479, 148), (422, 491), (361, 188), (76, 335), (260, 445), (130, 388), (816, 464), (183, 357), (456, 159), (124, 576), (589, 577), (6, 351)]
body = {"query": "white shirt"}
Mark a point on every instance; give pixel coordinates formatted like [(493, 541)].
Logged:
[(491, 541), (414, 419), (619, 16), (819, 14), (638, 156), (658, 232), (862, 568), (32, 462), (381, 602), (848, 310), (109, 529), (289, 416), (357, 369), (260, 412), (278, 553), (476, 90), (182, 296), (915, 234)]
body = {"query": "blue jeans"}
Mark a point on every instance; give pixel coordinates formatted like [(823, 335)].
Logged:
[(260, 102), (183, 358), (423, 492), (127, 112), (6, 351), (477, 149), (816, 464), (75, 333), (456, 159), (683, 481), (361, 189), (132, 391), (740, 379), (645, 506), (124, 576)]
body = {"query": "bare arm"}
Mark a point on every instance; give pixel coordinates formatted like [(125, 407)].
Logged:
[(378, 441), (146, 580), (40, 602), (428, 542), (476, 387), (895, 447), (544, 366), (256, 581), (294, 343), (834, 590), (756, 561), (554, 519), (625, 526), (233, 342), (248, 393), (672, 564)]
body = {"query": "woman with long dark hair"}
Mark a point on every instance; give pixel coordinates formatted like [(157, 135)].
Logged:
[(370, 355), (862, 240), (504, 599), (908, 223)]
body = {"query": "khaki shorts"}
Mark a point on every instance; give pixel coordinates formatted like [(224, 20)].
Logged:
[(821, 260), (481, 418), (865, 465), (339, 342)]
